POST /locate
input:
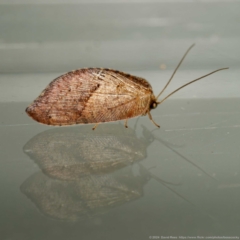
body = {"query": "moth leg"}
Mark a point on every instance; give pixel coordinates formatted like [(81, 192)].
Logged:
[(95, 126), (150, 117), (125, 124)]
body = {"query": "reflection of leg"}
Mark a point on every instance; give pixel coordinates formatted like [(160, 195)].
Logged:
[(126, 126), (150, 117), (95, 127), (135, 125)]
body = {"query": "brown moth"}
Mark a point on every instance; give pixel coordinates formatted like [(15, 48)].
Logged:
[(97, 95)]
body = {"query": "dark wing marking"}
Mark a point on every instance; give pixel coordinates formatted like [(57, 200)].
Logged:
[(119, 109), (91, 96)]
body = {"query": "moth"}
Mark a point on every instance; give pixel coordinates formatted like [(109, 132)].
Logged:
[(97, 95)]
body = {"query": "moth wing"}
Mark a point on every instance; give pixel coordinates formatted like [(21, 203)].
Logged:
[(91, 96)]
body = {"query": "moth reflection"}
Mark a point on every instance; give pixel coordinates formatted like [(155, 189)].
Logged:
[(84, 172), (69, 153), (89, 196)]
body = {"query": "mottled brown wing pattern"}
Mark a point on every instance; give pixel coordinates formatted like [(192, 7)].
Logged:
[(91, 95)]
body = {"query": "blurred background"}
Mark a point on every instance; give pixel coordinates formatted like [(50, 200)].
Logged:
[(146, 38), (40, 40), (57, 36)]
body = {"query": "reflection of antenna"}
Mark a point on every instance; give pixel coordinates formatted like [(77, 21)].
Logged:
[(164, 183), (167, 145), (145, 171), (186, 159)]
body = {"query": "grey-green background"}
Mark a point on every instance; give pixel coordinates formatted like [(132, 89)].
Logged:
[(180, 180)]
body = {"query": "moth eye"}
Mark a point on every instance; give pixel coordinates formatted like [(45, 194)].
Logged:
[(154, 105)]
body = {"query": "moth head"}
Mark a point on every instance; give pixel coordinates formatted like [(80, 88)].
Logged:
[(153, 105)]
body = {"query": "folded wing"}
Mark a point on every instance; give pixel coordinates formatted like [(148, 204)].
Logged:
[(91, 95)]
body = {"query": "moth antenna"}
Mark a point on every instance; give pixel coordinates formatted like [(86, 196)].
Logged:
[(179, 64), (190, 83)]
